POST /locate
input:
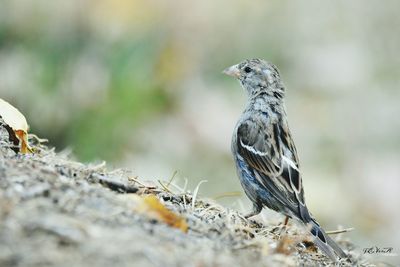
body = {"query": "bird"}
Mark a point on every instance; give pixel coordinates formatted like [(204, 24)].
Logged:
[(265, 154)]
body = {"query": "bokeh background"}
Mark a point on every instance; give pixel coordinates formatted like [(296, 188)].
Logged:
[(138, 83)]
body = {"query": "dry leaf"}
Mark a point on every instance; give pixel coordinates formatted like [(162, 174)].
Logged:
[(153, 208), (14, 119)]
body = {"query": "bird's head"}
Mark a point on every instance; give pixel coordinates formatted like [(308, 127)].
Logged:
[(256, 76)]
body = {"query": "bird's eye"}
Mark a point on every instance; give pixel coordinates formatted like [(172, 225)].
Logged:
[(247, 69)]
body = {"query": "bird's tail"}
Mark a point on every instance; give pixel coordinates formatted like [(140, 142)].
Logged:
[(324, 242)]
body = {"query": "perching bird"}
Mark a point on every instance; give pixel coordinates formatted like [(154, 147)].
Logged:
[(265, 154)]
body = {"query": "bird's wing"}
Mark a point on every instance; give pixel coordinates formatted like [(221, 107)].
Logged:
[(269, 149)]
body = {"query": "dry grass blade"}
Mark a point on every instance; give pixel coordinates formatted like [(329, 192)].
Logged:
[(164, 187), (195, 192), (228, 194), (172, 178)]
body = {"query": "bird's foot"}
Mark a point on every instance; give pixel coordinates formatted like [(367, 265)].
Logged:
[(280, 229), (283, 226)]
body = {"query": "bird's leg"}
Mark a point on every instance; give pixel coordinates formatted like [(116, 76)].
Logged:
[(256, 210), (283, 227), (286, 221)]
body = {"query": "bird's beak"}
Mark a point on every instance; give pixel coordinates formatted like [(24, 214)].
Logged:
[(232, 71)]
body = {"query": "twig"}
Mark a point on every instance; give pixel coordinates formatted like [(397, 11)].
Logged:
[(98, 166), (38, 139), (339, 231), (114, 185), (135, 180)]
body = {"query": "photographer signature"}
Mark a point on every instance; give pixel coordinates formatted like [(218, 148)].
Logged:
[(378, 250)]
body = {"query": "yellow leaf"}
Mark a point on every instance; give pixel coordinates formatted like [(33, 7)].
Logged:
[(14, 119), (153, 208)]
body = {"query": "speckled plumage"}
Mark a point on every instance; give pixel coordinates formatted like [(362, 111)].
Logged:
[(264, 151)]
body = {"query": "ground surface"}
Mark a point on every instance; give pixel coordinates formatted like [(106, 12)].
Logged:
[(57, 212)]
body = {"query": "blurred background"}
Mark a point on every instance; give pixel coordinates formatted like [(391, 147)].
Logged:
[(138, 83)]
